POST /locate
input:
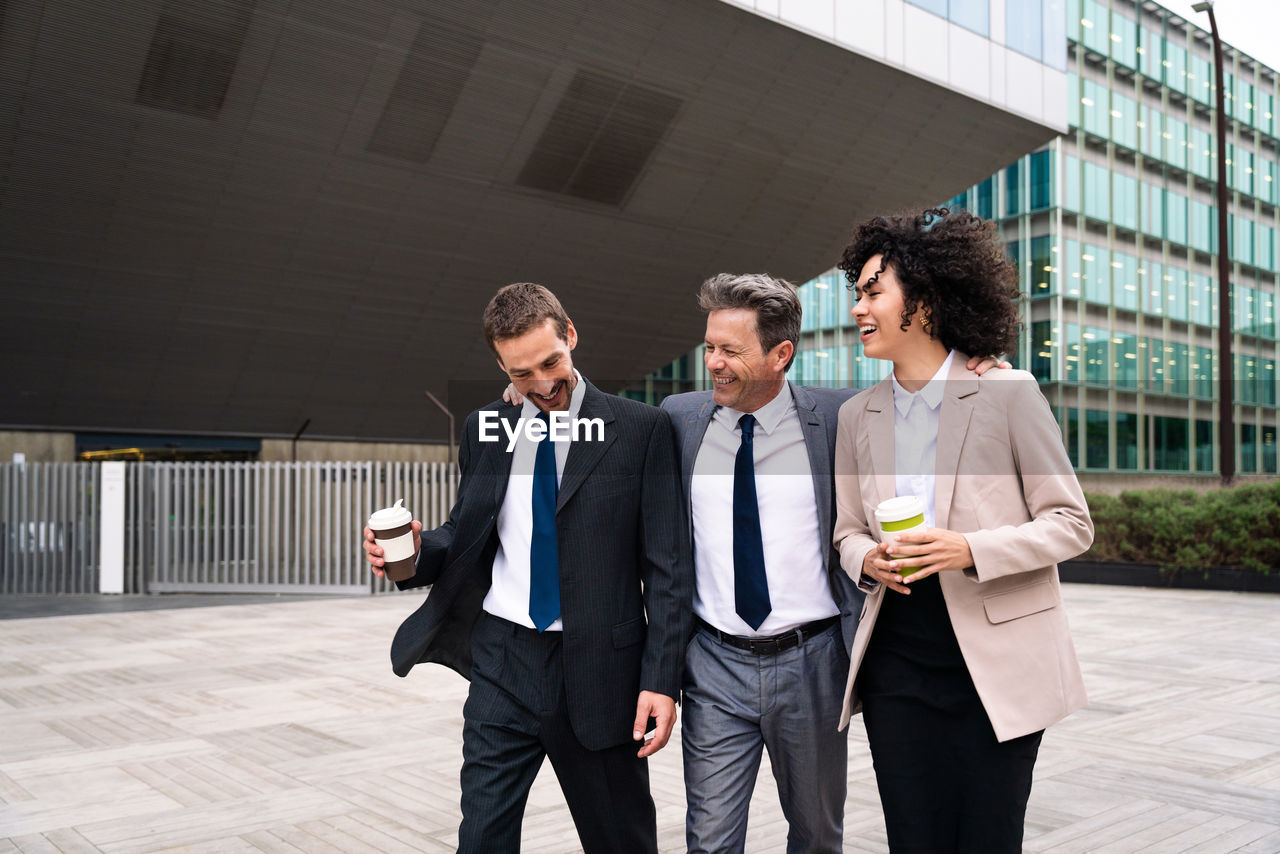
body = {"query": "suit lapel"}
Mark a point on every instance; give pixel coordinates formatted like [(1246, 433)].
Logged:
[(880, 428), (692, 442), (814, 428), (583, 456), (953, 424)]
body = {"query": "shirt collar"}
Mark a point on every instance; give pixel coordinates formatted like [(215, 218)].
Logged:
[(530, 410), (931, 394), (768, 417)]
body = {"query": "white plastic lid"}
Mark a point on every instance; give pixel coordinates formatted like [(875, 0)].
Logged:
[(898, 509), (390, 517)]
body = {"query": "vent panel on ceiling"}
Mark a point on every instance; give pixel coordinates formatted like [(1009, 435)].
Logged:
[(193, 56), (430, 83), (599, 138)]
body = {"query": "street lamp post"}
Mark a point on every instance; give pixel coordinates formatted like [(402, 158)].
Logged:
[(1226, 364)]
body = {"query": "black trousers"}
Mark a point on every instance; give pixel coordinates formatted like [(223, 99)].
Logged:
[(946, 784), (515, 715)]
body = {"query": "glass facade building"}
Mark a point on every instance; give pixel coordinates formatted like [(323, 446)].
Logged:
[(1114, 228)]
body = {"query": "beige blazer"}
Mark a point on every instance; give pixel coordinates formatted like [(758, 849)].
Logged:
[(1004, 481)]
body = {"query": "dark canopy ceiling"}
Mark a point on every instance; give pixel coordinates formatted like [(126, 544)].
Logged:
[(228, 216)]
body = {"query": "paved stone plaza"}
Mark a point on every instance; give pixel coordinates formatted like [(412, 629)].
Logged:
[(280, 728)]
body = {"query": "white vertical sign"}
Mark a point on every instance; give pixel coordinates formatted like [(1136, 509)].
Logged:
[(111, 532)]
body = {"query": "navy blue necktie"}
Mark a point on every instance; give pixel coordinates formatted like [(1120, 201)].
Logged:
[(544, 548), (750, 586)]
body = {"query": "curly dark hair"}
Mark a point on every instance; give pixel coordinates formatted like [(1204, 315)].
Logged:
[(951, 264)]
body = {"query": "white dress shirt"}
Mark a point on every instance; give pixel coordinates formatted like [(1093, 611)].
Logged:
[(508, 597), (915, 439), (799, 591)]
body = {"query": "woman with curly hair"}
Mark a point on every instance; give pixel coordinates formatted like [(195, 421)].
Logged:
[(963, 655)]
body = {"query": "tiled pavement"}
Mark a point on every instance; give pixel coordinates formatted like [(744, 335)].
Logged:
[(280, 728)]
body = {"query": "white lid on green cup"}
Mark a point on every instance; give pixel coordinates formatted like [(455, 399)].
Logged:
[(899, 509), (390, 518)]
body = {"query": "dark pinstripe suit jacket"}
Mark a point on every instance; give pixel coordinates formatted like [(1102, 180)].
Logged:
[(624, 553), (817, 409)]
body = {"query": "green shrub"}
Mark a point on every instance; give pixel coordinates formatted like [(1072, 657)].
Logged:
[(1185, 531)]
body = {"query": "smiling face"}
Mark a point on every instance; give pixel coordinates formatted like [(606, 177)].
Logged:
[(540, 366), (878, 313), (745, 377)]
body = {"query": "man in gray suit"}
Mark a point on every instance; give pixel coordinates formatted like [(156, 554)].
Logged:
[(560, 587), (775, 613)]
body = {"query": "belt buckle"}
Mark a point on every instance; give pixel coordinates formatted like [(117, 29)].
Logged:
[(768, 646)]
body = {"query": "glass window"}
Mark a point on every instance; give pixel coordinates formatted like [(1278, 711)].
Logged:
[(1097, 191), (1175, 216), (1267, 382), (1096, 106), (1241, 230), (1097, 455), (1268, 442), (1201, 227), (1096, 358), (1124, 121), (1264, 116), (1169, 443), (1096, 272), (1124, 277), (1013, 189), (1266, 308), (1201, 153), (1023, 28), (1204, 446), (1093, 27), (1071, 183), (1244, 101), (1041, 278), (1151, 132), (1071, 269), (1177, 363), (1202, 373), (1267, 180), (1040, 173), (1124, 201), (1055, 34), (1126, 440), (1152, 354), (1243, 162), (1071, 354), (1151, 53), (1243, 315), (1175, 293), (1042, 346), (1124, 40), (1204, 300), (1152, 284), (973, 15), (1247, 378), (1200, 79), (985, 191), (1071, 437), (1175, 67), (1248, 448), (1175, 142), (1152, 209), (1126, 360)]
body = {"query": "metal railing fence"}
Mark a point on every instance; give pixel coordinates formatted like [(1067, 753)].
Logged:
[(209, 527)]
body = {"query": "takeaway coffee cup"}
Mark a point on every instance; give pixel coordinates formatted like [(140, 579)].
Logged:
[(896, 515), (393, 533)]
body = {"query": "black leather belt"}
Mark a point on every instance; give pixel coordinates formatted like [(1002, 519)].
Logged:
[(769, 645)]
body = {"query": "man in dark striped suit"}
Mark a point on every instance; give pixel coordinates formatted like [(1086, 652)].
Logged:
[(561, 587)]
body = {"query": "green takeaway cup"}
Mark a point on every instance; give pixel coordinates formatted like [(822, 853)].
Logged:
[(895, 515)]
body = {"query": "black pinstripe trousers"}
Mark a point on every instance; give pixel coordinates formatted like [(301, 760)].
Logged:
[(515, 715)]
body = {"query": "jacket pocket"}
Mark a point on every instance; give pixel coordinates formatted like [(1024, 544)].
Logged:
[(628, 633), (1003, 607)]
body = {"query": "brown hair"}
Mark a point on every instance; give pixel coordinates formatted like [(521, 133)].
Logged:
[(516, 309)]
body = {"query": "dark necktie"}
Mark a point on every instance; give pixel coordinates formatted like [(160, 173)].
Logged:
[(750, 586), (544, 548)]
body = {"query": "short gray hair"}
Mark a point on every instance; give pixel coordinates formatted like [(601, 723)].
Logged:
[(773, 301)]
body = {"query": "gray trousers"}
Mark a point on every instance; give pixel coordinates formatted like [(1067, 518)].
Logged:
[(735, 704)]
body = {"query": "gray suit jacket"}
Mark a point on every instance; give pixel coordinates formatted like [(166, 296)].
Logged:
[(818, 410), (625, 569)]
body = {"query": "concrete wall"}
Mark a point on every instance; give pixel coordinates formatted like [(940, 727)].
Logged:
[(40, 447), (281, 450), (1114, 484)]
